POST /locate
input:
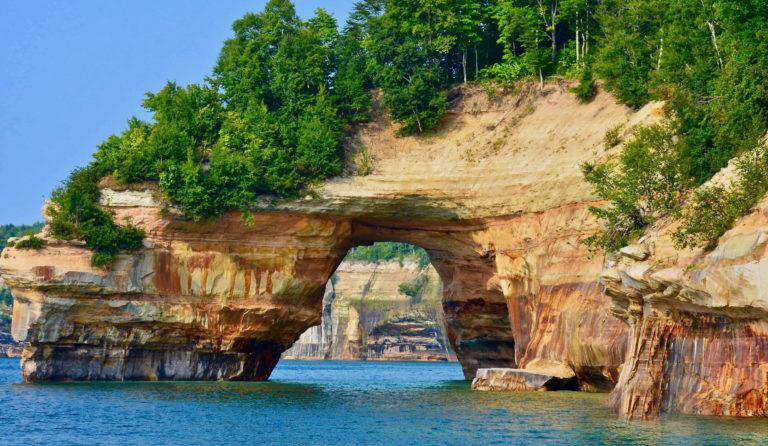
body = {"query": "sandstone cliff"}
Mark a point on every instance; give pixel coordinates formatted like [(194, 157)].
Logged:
[(366, 316), (698, 322), (8, 347), (495, 196)]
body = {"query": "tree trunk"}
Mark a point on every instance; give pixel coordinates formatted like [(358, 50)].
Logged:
[(477, 64), (541, 79), (554, 41), (464, 65), (418, 121), (714, 44), (661, 53), (577, 37), (553, 10), (585, 36)]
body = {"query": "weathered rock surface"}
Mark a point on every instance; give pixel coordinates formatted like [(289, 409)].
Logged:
[(496, 197), (8, 347), (517, 380), (698, 323), (365, 316)]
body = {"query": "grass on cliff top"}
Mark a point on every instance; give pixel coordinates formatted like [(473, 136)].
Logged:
[(647, 181)]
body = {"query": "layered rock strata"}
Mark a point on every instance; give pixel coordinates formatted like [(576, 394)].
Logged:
[(367, 317), (698, 323), (495, 196)]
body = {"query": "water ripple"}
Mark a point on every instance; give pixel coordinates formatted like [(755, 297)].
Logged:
[(334, 403)]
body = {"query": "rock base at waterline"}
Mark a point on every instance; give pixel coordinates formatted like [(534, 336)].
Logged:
[(80, 363), (519, 380)]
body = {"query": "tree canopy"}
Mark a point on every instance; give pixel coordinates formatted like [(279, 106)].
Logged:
[(271, 117)]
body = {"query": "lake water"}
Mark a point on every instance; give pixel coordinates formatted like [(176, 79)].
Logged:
[(329, 402)]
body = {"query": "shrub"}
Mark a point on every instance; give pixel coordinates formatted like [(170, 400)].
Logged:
[(8, 231), (414, 288), (75, 214), (586, 89), (714, 209), (612, 136), (30, 242), (364, 165), (504, 73), (643, 184)]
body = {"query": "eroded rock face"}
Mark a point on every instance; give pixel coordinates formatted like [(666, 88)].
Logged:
[(185, 307), (698, 323), (496, 197)]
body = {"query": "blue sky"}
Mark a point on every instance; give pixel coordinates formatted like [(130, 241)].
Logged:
[(72, 73)]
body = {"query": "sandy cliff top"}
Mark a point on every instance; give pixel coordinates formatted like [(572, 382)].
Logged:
[(518, 153)]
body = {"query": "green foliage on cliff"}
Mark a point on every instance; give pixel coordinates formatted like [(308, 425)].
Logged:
[(706, 58), (586, 89), (715, 208), (270, 119), (267, 122), (387, 251), (644, 183), (414, 288), (76, 214), (648, 181), (8, 231), (30, 242)]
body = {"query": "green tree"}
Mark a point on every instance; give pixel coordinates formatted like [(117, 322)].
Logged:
[(644, 183), (468, 29), (406, 58)]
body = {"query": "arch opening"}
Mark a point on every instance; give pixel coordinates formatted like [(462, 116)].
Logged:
[(382, 303), (465, 311)]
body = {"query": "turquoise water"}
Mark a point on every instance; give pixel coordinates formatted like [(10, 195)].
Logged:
[(328, 402)]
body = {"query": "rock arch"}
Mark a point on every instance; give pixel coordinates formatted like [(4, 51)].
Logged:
[(223, 299), (496, 197)]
